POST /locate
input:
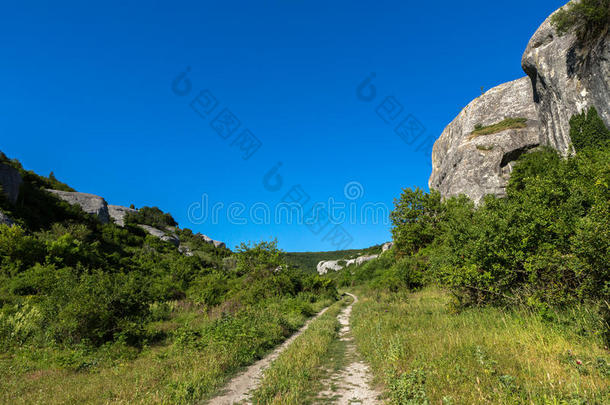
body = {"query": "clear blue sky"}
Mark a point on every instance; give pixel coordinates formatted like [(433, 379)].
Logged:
[(87, 93)]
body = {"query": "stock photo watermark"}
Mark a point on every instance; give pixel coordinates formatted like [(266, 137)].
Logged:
[(289, 212), (323, 219), (390, 111), (225, 123)]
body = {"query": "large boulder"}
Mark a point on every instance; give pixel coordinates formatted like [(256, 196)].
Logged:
[(568, 75), (91, 204), (10, 182), (387, 246), (207, 239), (118, 213), (478, 165), (163, 235), (218, 244), (363, 259), (325, 266)]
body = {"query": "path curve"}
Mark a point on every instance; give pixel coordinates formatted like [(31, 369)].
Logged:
[(350, 385), (240, 386)]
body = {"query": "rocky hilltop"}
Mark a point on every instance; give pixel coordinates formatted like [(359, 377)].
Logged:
[(324, 266), (475, 153), (97, 206)]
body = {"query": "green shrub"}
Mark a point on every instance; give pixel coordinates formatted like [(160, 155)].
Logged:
[(151, 216), (588, 18), (209, 290), (588, 130), (415, 220)]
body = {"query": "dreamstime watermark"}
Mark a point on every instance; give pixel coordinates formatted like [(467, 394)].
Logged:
[(290, 211), (390, 110)]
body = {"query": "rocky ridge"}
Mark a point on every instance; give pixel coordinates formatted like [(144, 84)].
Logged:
[(91, 204), (565, 76), (97, 206)]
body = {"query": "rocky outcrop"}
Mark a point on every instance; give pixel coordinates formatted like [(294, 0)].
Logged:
[(325, 266), (5, 220), (185, 250), (218, 244), (207, 239), (386, 246), (91, 204), (163, 235), (568, 75), (10, 182), (478, 165), (118, 213), (565, 76)]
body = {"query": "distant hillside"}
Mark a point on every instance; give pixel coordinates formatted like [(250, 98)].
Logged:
[(309, 260)]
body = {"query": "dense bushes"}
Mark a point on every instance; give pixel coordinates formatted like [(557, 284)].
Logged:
[(77, 281), (589, 18), (588, 130), (151, 216), (546, 243)]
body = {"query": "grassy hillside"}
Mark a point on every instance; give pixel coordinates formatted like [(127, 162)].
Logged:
[(423, 353), (97, 313), (308, 261)]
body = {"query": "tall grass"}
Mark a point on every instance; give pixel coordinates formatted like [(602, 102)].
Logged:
[(198, 355), (297, 372), (423, 353)]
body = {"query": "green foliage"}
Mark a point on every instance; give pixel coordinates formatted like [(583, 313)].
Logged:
[(408, 388), (209, 290), (588, 130), (507, 123), (415, 218), (545, 245), (588, 18), (151, 216), (309, 260), (260, 259), (50, 182)]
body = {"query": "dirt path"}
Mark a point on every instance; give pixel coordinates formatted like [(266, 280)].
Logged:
[(349, 385), (238, 388)]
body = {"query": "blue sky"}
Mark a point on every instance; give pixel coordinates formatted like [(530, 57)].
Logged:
[(87, 93)]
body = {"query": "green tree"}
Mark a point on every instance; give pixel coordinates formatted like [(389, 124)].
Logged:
[(415, 219)]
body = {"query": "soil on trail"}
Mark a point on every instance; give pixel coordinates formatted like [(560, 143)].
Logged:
[(350, 384), (238, 389)]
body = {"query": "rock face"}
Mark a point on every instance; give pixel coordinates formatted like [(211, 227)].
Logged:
[(386, 246), (480, 165), (568, 76), (565, 76), (91, 204), (10, 181), (211, 241), (164, 236), (4, 219), (325, 266), (118, 213)]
